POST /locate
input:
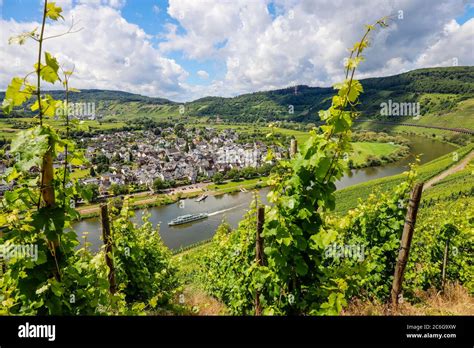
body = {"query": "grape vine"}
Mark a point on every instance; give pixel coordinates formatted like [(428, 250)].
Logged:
[(57, 278), (297, 279)]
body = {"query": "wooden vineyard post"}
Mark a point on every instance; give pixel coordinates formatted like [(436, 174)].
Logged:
[(293, 147), (407, 236), (108, 245), (445, 264), (3, 266), (259, 252), (49, 200), (259, 244), (47, 178)]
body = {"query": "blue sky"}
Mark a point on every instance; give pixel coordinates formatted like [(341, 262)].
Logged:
[(468, 12), (150, 15), (194, 48)]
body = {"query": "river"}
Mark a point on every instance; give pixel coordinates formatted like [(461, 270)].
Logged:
[(231, 207)]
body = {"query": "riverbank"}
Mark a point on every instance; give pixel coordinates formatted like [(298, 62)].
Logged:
[(148, 200)]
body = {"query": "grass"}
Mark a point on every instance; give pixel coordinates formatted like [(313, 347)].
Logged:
[(396, 129), (300, 136), (455, 300), (7, 133), (233, 186), (362, 151)]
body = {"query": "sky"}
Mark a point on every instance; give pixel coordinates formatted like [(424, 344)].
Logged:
[(187, 49)]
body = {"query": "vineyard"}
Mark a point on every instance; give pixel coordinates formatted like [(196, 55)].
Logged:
[(347, 198), (311, 251)]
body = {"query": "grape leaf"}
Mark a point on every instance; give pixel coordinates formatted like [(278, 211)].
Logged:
[(15, 95), (53, 12)]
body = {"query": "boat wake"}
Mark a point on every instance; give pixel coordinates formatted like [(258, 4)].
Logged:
[(224, 210)]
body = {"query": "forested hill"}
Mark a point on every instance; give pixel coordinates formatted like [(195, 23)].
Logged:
[(437, 89), (105, 95)]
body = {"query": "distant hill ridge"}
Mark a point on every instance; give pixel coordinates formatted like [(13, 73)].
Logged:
[(437, 90)]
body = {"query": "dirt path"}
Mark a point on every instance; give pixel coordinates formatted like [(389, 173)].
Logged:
[(454, 169), (88, 210)]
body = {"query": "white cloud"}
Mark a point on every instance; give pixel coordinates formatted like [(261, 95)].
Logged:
[(115, 3), (305, 42), (209, 23), (203, 74), (308, 40), (455, 47), (156, 9), (111, 3), (109, 53)]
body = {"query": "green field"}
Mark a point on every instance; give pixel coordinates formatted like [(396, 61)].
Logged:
[(362, 150), (232, 186), (300, 136)]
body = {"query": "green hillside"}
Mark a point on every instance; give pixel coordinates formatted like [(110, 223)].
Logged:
[(439, 91)]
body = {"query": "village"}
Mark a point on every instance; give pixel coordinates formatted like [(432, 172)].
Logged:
[(174, 158)]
